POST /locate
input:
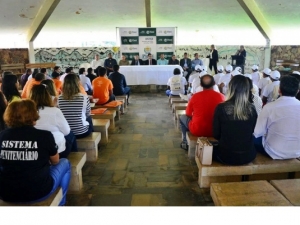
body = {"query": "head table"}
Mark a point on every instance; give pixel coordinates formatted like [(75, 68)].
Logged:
[(145, 75)]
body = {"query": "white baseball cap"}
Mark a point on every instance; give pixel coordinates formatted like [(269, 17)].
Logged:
[(267, 71), (220, 68), (275, 75), (235, 72), (296, 72), (198, 67), (254, 67), (203, 73), (204, 68), (228, 68), (238, 69), (248, 75)]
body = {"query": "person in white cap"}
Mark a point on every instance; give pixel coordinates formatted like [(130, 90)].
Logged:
[(198, 70), (264, 81), (224, 80), (196, 81), (254, 98), (271, 90), (277, 132), (296, 74), (238, 69), (254, 87), (255, 75), (176, 84), (220, 74)]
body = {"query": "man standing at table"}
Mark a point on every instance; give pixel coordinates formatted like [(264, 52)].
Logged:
[(150, 61), (96, 62), (162, 60), (173, 61), (109, 63), (186, 65), (137, 61), (213, 59)]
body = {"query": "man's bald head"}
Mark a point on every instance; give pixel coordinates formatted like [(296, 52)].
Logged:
[(207, 81)]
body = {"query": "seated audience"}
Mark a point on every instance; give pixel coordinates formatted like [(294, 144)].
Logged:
[(162, 60), (103, 88), (123, 61), (85, 81), (255, 89), (67, 71), (176, 84), (150, 60), (264, 81), (199, 112), (76, 107), (271, 90), (296, 74), (52, 119), (186, 64), (255, 75), (90, 74), (233, 125), (119, 83), (195, 74), (173, 61), (56, 72), (24, 77), (10, 87), (196, 81), (97, 62), (224, 80), (57, 82), (277, 130), (30, 166), (254, 98), (35, 72), (220, 74), (109, 63), (196, 61), (36, 80), (49, 84)]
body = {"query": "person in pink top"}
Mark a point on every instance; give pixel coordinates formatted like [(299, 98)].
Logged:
[(200, 110)]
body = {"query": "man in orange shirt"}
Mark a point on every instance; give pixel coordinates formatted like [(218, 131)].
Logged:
[(29, 84), (55, 77), (103, 88)]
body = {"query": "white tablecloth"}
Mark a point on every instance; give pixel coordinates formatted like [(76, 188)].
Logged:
[(144, 75)]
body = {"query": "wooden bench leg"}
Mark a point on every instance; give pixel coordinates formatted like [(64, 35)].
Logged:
[(76, 181)]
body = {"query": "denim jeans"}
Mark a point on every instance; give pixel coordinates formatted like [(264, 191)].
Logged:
[(71, 145), (184, 125), (127, 92), (259, 146), (61, 174), (90, 130)]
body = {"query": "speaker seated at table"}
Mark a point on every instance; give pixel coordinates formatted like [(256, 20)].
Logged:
[(137, 61), (150, 61)]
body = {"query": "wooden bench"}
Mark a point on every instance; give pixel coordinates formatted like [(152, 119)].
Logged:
[(13, 67), (40, 65), (252, 193), (122, 98), (115, 109), (179, 106), (53, 200), (177, 100), (262, 167), (192, 142), (171, 97), (109, 114), (89, 145), (77, 160), (101, 125), (289, 188)]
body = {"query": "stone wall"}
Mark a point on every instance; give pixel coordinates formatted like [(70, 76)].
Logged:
[(284, 52)]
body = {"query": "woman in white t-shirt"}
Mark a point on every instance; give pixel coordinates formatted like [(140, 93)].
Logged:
[(53, 120)]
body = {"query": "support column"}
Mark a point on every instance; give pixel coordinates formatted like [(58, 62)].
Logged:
[(31, 52), (268, 54)]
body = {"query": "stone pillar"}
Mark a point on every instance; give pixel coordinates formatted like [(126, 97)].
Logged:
[(31, 52), (268, 54)]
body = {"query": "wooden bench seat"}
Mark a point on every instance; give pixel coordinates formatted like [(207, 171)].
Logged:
[(171, 97), (251, 193), (115, 109), (101, 125), (262, 165), (289, 188), (89, 145), (122, 98), (177, 114), (192, 143), (53, 200), (77, 160), (177, 100), (179, 106), (109, 114)]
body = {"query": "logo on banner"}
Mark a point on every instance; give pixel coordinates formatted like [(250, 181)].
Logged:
[(165, 40), (133, 48), (147, 50), (130, 40), (147, 31)]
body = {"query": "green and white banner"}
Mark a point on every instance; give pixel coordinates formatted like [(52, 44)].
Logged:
[(147, 40)]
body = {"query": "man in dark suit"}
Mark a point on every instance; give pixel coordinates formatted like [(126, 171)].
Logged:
[(213, 58), (150, 61), (173, 61), (186, 65), (137, 61), (240, 57), (109, 63)]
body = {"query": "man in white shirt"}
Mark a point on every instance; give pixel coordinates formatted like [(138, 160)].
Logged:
[(220, 74), (176, 84), (264, 81), (224, 80), (68, 71), (254, 87), (196, 73), (271, 90), (277, 130), (255, 75), (85, 81), (96, 62), (196, 80)]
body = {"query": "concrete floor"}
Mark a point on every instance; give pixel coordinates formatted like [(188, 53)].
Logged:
[(143, 164)]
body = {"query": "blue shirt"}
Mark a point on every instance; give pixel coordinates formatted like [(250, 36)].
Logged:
[(196, 62), (162, 62)]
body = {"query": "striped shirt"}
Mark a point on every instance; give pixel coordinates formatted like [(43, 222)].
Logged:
[(76, 111)]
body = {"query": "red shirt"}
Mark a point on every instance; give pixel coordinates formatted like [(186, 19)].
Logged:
[(201, 108)]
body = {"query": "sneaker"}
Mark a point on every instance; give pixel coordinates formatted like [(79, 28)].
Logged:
[(184, 146)]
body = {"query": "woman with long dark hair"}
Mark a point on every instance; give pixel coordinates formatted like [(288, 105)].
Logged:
[(10, 87)]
